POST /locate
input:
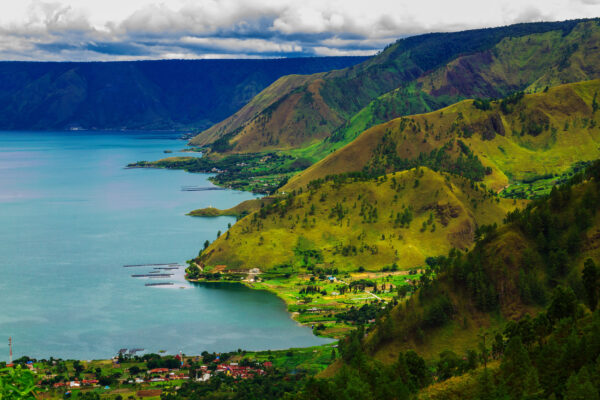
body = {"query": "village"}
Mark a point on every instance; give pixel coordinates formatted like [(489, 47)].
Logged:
[(203, 374), (134, 376)]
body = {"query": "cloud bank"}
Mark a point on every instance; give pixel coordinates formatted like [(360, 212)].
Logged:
[(80, 30)]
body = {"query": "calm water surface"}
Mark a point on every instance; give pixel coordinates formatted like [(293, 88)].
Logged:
[(71, 216)]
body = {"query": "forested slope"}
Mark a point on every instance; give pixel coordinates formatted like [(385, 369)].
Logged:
[(518, 306)]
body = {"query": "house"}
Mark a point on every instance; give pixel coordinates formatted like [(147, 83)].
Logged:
[(158, 370), (204, 377)]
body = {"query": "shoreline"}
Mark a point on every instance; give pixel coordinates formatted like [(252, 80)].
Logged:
[(322, 311), (250, 286)]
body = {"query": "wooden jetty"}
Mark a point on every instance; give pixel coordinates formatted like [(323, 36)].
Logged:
[(133, 351), (151, 275), (200, 188), (150, 265), (159, 284)]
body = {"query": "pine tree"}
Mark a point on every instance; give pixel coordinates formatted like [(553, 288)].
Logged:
[(486, 388), (563, 305), (519, 376), (580, 387), (590, 283)]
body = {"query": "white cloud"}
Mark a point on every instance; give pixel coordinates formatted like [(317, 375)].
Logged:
[(242, 45), (327, 51), (140, 29)]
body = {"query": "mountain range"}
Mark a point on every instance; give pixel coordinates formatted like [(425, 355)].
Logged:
[(468, 160), (455, 174), (165, 95), (322, 112)]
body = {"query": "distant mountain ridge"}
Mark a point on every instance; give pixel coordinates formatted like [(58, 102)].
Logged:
[(164, 94), (414, 75)]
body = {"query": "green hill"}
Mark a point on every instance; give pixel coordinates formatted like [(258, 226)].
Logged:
[(515, 139), (350, 222), (516, 317), (413, 75), (527, 287)]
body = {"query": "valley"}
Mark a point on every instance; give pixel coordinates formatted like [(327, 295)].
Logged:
[(427, 216)]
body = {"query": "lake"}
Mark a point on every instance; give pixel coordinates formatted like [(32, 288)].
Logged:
[(71, 216)]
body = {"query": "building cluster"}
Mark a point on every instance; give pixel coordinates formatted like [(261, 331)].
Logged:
[(76, 383), (164, 374), (238, 371)]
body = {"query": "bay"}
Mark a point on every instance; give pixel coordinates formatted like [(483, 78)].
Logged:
[(71, 216)]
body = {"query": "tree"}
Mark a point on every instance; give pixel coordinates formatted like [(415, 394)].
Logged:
[(134, 370), (105, 380), (517, 372), (590, 283), (498, 345), (16, 383), (485, 353), (417, 368), (580, 387), (486, 388), (351, 386), (78, 367), (563, 304)]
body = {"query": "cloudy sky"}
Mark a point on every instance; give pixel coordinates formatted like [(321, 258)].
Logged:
[(148, 29)]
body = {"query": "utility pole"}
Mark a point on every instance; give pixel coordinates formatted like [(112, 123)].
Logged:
[(10, 349)]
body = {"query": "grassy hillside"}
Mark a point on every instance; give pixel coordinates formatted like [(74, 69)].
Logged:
[(515, 139), (348, 223), (430, 70), (258, 103), (506, 67)]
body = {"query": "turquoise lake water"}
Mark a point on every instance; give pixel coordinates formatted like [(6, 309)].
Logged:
[(71, 216)]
